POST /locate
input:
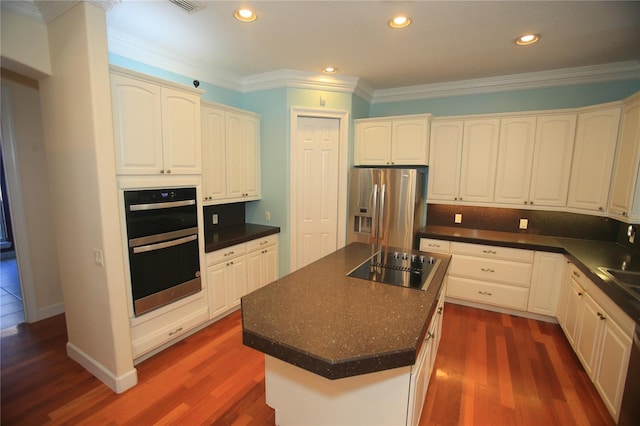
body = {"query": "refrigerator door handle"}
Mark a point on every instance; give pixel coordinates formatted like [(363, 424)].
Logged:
[(381, 223), (374, 219)]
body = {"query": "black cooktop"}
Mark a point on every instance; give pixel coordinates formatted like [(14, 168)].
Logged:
[(396, 268)]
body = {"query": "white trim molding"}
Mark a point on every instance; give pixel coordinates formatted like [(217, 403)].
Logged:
[(118, 384)]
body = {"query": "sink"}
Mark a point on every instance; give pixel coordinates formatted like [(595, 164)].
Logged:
[(628, 280)]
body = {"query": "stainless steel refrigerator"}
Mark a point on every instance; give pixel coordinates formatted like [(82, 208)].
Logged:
[(386, 206)]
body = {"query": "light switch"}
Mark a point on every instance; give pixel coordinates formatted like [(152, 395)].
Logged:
[(267, 216), (98, 257), (458, 218), (524, 223)]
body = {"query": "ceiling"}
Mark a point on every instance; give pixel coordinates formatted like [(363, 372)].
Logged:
[(447, 40)]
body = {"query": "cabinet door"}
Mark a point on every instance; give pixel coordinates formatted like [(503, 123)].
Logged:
[(251, 141), (546, 282), (137, 126), (255, 278), (515, 160), (589, 336), (270, 265), (625, 172), (592, 164), (217, 288), (409, 142), (574, 311), (552, 160), (214, 171), (235, 156), (237, 280), (181, 132), (564, 297), (444, 160), (479, 157), (613, 364), (373, 143)]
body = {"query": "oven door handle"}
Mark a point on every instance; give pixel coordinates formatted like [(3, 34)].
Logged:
[(156, 206), (166, 244)]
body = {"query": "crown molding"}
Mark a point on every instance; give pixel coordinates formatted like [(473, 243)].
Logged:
[(560, 77), (146, 53), (299, 80), (25, 8)]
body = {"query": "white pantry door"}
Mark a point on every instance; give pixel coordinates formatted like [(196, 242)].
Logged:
[(317, 157)]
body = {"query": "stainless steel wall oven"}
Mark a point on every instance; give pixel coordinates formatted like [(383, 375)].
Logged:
[(162, 231)]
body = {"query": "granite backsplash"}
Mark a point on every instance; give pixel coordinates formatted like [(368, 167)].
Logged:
[(228, 215), (541, 222)]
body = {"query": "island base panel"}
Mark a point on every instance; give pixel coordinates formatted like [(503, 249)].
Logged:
[(301, 397)]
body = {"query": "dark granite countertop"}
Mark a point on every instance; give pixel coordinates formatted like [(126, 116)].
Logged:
[(319, 319), (232, 235), (587, 255)]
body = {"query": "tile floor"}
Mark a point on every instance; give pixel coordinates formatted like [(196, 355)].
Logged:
[(11, 309)]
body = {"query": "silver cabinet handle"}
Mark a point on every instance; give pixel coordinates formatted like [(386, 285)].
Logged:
[(382, 199), (156, 206)]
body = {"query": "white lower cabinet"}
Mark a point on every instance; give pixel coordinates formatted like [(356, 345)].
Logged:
[(600, 334), (163, 325), (546, 282), (238, 270), (422, 369)]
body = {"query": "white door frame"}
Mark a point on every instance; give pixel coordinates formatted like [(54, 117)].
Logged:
[(16, 207), (343, 147)]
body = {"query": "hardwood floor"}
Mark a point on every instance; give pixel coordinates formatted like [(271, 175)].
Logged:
[(491, 369)]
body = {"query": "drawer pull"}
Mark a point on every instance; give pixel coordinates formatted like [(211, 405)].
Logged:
[(485, 293), (440, 310), (433, 245), (602, 317), (580, 294), (430, 335), (229, 254), (487, 270), (264, 242), (575, 274), (489, 252), (178, 330)]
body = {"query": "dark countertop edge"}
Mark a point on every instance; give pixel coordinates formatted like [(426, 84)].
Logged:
[(546, 243), (238, 234), (357, 366), (325, 368)]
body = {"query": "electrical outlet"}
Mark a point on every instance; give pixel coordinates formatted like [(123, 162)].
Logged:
[(98, 257), (457, 218), (214, 218), (267, 216), (524, 223)]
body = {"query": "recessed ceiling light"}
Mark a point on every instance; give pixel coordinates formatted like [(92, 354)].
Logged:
[(245, 15), (329, 70), (400, 22), (527, 39)]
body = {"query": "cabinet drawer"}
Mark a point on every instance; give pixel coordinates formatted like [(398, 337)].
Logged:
[(262, 242), (494, 252), (504, 271), (226, 253), (150, 334), (489, 293), (431, 244)]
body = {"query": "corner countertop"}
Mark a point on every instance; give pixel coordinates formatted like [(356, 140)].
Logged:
[(587, 255), (336, 326), (232, 235)]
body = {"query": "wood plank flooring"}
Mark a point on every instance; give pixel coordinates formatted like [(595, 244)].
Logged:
[(491, 369)]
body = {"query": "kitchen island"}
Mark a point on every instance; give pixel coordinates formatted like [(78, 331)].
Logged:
[(341, 350)]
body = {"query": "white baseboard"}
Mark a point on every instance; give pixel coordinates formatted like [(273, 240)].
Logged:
[(118, 384), (50, 311)]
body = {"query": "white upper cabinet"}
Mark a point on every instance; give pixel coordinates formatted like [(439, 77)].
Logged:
[(596, 135), (156, 128), (624, 198), (479, 157), (553, 150), (392, 141), (214, 170), (515, 160), (231, 154), (445, 158)]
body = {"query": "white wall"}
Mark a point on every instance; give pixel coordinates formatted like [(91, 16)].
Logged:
[(41, 261), (24, 45), (76, 109)]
